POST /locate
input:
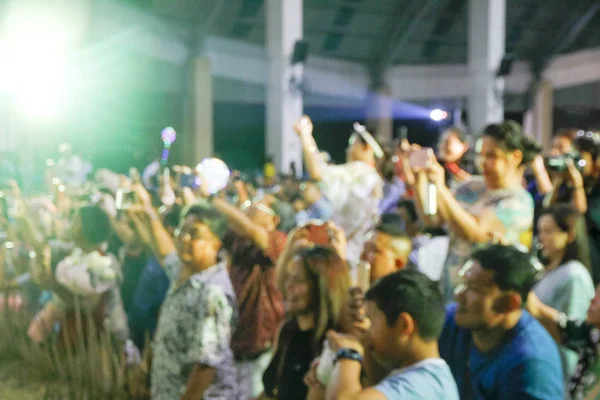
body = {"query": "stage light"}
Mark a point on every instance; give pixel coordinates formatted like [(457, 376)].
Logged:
[(35, 43), (438, 115)]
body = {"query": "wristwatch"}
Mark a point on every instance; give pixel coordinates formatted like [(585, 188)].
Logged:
[(348, 354)]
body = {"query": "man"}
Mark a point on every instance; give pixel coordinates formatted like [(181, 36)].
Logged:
[(406, 314), (388, 248), (71, 169), (586, 191), (496, 349), (254, 244), (428, 249), (82, 269), (563, 142), (317, 205), (354, 188), (192, 358)]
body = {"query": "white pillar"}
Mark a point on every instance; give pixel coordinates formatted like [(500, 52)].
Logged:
[(284, 105), (380, 115), (487, 34), (538, 120), (202, 111)]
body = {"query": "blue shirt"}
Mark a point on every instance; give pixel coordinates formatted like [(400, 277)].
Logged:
[(525, 366), (147, 300), (425, 380)]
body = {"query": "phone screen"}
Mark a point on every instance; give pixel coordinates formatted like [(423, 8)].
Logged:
[(420, 158)]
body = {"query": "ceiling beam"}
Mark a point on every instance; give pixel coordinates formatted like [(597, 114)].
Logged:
[(565, 36), (399, 36), (203, 26), (442, 27)]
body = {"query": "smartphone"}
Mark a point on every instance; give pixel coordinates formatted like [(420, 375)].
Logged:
[(420, 158), (403, 133), (188, 181), (125, 198), (318, 233)]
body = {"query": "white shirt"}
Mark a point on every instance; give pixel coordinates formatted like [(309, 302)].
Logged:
[(354, 190)]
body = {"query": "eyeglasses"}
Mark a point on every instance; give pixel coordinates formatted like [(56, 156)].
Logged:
[(192, 234)]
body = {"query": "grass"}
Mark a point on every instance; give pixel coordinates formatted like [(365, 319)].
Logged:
[(88, 367)]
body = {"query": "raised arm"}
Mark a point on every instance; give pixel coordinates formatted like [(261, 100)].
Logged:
[(162, 242), (312, 158)]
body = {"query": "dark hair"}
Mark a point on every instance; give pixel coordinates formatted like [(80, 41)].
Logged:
[(508, 135), (95, 225), (330, 285), (459, 132), (588, 142), (531, 149), (410, 208), (296, 197), (206, 213), (569, 220), (411, 292), (172, 217), (391, 224), (513, 269), (568, 133)]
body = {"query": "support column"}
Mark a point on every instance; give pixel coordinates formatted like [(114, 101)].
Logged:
[(284, 104), (202, 111), (487, 34), (380, 115), (538, 121)]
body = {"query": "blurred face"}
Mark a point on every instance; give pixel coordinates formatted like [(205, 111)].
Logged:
[(298, 205), (263, 216), (196, 244), (552, 238), (477, 298), (588, 169), (561, 145), (377, 252), (498, 167), (451, 148), (593, 315), (310, 192), (381, 338), (298, 289)]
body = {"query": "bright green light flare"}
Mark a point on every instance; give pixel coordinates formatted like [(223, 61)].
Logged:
[(34, 49)]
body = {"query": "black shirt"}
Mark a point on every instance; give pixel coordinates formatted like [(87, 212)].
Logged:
[(284, 378)]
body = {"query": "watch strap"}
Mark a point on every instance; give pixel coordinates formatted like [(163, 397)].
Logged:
[(348, 354)]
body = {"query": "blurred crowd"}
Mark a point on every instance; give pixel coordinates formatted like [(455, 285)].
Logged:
[(467, 271)]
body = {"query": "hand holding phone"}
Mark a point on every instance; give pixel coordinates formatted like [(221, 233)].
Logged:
[(421, 158)]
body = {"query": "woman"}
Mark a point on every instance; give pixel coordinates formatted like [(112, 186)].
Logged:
[(582, 336), (481, 207), (315, 289), (566, 285), (452, 150)]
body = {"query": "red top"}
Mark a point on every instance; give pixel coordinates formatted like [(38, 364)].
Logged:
[(260, 303)]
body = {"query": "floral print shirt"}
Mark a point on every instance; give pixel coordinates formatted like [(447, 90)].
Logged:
[(195, 326), (513, 207)]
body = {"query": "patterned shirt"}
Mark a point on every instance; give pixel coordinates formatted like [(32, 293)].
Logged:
[(585, 339), (195, 327), (512, 207)]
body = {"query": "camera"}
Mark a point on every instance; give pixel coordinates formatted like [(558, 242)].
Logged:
[(559, 163)]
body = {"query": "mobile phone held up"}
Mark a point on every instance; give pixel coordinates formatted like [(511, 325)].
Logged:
[(420, 158)]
